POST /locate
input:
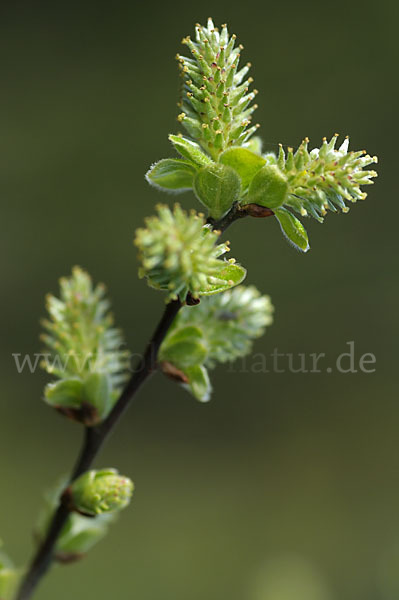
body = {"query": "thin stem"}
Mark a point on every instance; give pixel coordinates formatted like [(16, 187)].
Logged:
[(93, 442), (228, 219), (239, 212), (95, 436)]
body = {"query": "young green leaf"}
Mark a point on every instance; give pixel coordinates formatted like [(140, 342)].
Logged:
[(87, 400), (185, 353), (217, 187), (230, 275), (244, 162), (173, 174), (185, 348), (190, 150), (198, 382), (189, 332), (268, 188), (80, 534), (66, 393), (98, 393), (293, 229)]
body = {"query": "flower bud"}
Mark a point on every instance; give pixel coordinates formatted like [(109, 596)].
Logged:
[(97, 492)]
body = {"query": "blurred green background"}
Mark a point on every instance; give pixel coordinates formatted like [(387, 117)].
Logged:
[(285, 486)]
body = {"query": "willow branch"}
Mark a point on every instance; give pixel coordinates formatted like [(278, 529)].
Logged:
[(95, 437)]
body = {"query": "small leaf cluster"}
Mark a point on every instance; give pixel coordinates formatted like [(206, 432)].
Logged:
[(86, 355), (224, 165), (85, 352), (89, 519), (180, 254), (307, 182), (220, 329)]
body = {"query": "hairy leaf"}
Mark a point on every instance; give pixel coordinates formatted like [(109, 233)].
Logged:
[(172, 174)]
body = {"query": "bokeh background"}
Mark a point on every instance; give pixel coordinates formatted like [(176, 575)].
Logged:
[(285, 486)]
